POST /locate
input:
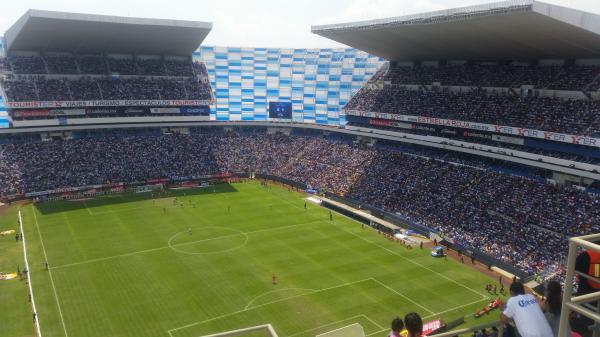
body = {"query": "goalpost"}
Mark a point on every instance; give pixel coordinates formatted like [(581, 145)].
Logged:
[(36, 321)]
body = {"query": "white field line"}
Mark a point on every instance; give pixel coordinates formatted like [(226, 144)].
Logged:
[(395, 253), (372, 321), (401, 295), (433, 315), (182, 244), (342, 328), (415, 263), (226, 250), (62, 319), (37, 318), (249, 305), (336, 322), (87, 208), (265, 304), (455, 308)]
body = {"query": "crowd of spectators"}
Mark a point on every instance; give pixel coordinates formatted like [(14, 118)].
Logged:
[(68, 64), (581, 117), (89, 88), (514, 218), (567, 77), (94, 77), (483, 141)]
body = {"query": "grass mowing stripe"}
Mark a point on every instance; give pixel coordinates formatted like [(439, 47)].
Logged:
[(249, 305), (402, 295), (268, 303), (145, 295), (62, 319), (413, 262), (182, 244), (456, 308), (395, 253)]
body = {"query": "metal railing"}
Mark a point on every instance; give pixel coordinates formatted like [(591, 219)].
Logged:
[(497, 324), (582, 304)]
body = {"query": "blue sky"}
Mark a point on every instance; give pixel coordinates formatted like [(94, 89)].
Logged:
[(256, 23)]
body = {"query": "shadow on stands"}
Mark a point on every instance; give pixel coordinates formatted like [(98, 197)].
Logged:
[(52, 207)]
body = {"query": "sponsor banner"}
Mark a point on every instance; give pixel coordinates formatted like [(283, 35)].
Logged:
[(197, 110), (477, 135), (423, 128), (73, 189), (508, 130), (134, 111), (510, 140), (380, 122), (31, 113), (387, 122), (157, 181), (212, 176), (83, 104), (430, 327), (449, 132), (101, 111), (69, 112), (164, 110)]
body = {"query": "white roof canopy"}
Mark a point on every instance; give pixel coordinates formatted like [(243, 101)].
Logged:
[(511, 30), (40, 30)]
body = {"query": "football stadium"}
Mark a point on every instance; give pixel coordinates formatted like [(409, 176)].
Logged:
[(437, 176)]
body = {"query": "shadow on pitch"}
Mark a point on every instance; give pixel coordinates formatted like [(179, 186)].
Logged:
[(52, 207)]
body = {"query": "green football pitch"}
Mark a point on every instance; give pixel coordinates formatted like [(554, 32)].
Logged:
[(127, 265)]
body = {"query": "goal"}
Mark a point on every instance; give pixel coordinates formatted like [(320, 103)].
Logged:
[(353, 330)]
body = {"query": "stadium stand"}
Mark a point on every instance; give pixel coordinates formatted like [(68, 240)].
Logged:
[(79, 89), (475, 204), (487, 72), (504, 81), (557, 77), (581, 117), (101, 73)]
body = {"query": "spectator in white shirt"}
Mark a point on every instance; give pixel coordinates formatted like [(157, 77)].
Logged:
[(524, 310)]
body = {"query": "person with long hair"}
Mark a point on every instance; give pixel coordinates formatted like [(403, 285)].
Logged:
[(552, 304)]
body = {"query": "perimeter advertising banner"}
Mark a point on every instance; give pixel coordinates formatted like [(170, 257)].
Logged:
[(508, 130), (83, 104)]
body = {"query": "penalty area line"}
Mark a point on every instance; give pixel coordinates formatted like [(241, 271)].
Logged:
[(433, 315), (337, 322), (265, 304), (483, 296)]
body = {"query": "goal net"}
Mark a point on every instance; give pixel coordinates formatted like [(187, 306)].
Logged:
[(353, 330)]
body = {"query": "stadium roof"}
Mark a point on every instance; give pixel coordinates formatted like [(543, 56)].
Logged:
[(511, 30), (40, 30)]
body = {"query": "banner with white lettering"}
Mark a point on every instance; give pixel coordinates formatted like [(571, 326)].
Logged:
[(68, 112), (83, 104), (508, 130)]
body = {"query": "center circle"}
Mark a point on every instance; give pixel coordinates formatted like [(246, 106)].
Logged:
[(208, 240)]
